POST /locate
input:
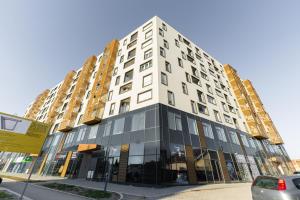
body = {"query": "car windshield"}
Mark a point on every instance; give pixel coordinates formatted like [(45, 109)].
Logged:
[(297, 182)]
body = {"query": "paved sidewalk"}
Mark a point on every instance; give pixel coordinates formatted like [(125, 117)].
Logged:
[(168, 192), (233, 191), (34, 177)]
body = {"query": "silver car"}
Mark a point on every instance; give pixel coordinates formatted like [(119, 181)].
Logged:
[(273, 188)]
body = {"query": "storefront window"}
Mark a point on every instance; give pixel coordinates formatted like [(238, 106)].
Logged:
[(135, 169), (200, 166), (150, 167), (114, 151)]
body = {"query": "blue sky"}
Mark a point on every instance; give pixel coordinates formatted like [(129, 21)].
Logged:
[(41, 41)]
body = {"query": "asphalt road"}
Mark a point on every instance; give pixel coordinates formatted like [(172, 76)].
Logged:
[(37, 192)]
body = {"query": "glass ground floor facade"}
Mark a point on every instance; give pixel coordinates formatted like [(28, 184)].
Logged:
[(156, 145)]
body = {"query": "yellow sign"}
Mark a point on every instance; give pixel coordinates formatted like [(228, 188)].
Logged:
[(21, 135)]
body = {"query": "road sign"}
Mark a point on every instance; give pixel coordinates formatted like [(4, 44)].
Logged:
[(22, 135)]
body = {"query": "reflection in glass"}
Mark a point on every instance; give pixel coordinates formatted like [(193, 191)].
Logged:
[(135, 169), (150, 173), (136, 149)]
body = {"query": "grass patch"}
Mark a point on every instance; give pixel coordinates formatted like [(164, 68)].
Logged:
[(4, 196), (96, 194)]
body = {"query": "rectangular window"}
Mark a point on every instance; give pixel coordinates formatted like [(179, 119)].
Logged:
[(227, 99), (129, 63), (147, 43), (244, 140), (64, 107), (128, 76), (227, 119), (133, 36), (196, 81), (211, 100), (201, 96), (107, 128), (131, 54), (164, 78), (118, 126), (115, 71), (234, 137), (147, 26), (162, 52), (148, 34), (121, 58), (183, 55), (145, 96), (119, 52), (117, 80), (171, 121), (146, 65), (221, 134), (125, 88), (219, 93), (81, 135), (192, 124), (178, 122), (180, 38), (168, 67), (209, 89), (93, 132), (203, 109), (124, 105), (110, 94), (208, 130), (180, 63), (138, 122), (195, 71), (166, 44), (164, 26), (177, 43), (231, 109), (148, 54), (112, 109), (174, 121), (204, 76), (147, 80), (184, 88), (188, 77), (202, 67), (131, 44), (217, 116), (171, 98), (194, 107), (161, 32), (224, 107), (88, 94)]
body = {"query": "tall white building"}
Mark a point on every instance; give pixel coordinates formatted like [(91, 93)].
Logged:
[(159, 110)]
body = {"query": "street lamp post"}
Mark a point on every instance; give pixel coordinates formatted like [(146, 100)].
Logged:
[(107, 174)]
